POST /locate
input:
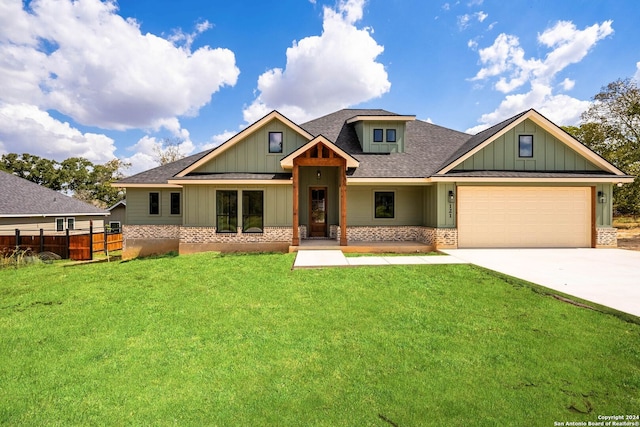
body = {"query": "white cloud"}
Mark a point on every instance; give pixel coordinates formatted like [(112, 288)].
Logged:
[(25, 128), (505, 61), (568, 84), (637, 76), (83, 60), (465, 20), (324, 73)]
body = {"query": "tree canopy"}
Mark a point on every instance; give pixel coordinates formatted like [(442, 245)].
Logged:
[(74, 176), (611, 128)]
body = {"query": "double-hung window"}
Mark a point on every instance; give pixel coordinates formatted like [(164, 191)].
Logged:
[(252, 211), (154, 203), (175, 203), (226, 211), (384, 204)]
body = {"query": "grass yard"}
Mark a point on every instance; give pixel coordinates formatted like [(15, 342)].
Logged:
[(241, 340)]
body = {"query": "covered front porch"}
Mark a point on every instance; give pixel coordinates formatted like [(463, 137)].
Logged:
[(319, 178)]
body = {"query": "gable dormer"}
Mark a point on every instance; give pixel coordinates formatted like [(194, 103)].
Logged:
[(381, 133)]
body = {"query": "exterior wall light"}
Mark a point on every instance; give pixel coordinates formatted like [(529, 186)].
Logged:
[(318, 174), (452, 197), (602, 198)]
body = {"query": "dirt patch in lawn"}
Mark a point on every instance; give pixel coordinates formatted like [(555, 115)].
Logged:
[(628, 233)]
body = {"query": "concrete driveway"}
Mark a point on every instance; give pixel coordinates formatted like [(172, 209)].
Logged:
[(609, 277)]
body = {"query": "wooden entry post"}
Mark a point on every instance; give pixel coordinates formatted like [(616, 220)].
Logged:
[(295, 241), (343, 203)]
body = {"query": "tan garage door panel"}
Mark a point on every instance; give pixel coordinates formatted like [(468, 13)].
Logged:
[(524, 217)]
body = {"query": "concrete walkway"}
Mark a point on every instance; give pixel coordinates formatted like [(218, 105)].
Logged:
[(609, 277), (335, 258)]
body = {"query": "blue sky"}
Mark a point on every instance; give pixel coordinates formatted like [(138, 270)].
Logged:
[(113, 79)]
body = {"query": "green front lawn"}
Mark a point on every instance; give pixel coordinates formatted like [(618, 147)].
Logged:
[(242, 340)]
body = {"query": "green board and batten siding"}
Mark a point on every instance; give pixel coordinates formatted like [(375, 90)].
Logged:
[(200, 206), (364, 130), (549, 154), (252, 153), (138, 207), (408, 206)]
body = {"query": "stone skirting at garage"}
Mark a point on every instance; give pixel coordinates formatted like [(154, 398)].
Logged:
[(437, 237), (607, 237)]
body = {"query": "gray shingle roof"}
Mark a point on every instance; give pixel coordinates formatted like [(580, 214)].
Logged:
[(481, 137), (426, 145), (25, 198), (428, 149)]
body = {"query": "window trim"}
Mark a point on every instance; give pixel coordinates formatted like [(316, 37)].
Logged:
[(381, 139), (244, 231), (218, 231), (281, 142), (179, 212), (73, 221), (393, 206), (63, 224), (111, 226), (395, 135), (151, 193), (520, 149)]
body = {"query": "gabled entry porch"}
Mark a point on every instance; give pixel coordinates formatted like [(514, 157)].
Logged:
[(319, 188)]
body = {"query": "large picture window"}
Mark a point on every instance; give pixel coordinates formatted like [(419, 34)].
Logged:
[(175, 203), (384, 204), (154, 203), (275, 142), (525, 145), (252, 209), (226, 211)]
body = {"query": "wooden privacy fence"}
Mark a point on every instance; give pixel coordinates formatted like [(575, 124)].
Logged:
[(79, 245)]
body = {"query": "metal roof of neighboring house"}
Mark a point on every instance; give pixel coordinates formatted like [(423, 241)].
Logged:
[(25, 198)]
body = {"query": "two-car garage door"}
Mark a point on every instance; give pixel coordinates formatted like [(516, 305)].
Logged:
[(524, 217)]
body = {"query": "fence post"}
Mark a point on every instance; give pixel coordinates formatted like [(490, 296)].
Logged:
[(41, 240), (68, 245), (17, 238), (106, 250), (91, 240)]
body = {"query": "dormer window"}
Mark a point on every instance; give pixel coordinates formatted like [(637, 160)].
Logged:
[(391, 135), (275, 142), (377, 135)]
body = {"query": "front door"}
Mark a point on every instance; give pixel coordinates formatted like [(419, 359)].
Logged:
[(318, 212)]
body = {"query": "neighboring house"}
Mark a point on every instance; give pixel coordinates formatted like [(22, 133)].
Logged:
[(371, 176), (117, 217), (30, 207)]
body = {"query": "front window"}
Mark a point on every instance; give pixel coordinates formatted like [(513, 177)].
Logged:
[(59, 224), (275, 142), (154, 203), (226, 211), (525, 146), (252, 208), (391, 135), (175, 203), (384, 204), (377, 135)]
